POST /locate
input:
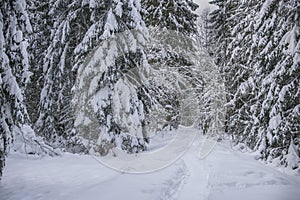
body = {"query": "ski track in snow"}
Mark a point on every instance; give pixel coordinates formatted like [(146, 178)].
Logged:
[(223, 174), (175, 184)]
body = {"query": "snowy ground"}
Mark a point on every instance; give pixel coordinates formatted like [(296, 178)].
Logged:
[(224, 174)]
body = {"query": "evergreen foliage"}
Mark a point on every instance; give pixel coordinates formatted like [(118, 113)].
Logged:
[(115, 86), (171, 21), (176, 15), (260, 64), (15, 127), (94, 75)]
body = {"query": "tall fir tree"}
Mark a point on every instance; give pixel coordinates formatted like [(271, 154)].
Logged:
[(77, 26), (176, 15), (111, 101), (277, 68), (15, 126), (39, 42), (240, 85), (219, 30), (170, 21), (261, 68)]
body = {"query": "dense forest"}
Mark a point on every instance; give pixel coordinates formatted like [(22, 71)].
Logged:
[(84, 76), (256, 46)]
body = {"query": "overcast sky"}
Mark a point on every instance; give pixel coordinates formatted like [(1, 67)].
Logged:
[(202, 4)]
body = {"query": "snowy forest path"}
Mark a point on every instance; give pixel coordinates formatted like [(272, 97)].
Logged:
[(226, 173), (199, 173), (223, 174)]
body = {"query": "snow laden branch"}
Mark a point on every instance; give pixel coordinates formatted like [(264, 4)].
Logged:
[(125, 93), (181, 65), (108, 109), (194, 78)]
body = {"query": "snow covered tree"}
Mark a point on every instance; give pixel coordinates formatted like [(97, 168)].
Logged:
[(277, 68), (110, 94), (15, 124), (204, 31), (75, 32), (167, 21), (176, 15), (219, 31), (39, 41), (261, 68), (54, 122), (173, 74), (240, 85)]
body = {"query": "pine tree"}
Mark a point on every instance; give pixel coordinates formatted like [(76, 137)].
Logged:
[(171, 21), (204, 31), (240, 85), (71, 21), (15, 124), (39, 41), (277, 40), (219, 31), (261, 67), (110, 108), (176, 15)]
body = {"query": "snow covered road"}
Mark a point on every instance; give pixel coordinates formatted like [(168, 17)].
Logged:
[(224, 174)]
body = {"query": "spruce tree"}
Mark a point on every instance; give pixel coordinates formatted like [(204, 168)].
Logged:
[(110, 94), (15, 126), (219, 31), (277, 41), (71, 21), (261, 68), (240, 84), (176, 15), (39, 41), (169, 22)]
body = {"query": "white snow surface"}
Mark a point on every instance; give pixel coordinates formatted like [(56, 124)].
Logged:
[(223, 174)]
